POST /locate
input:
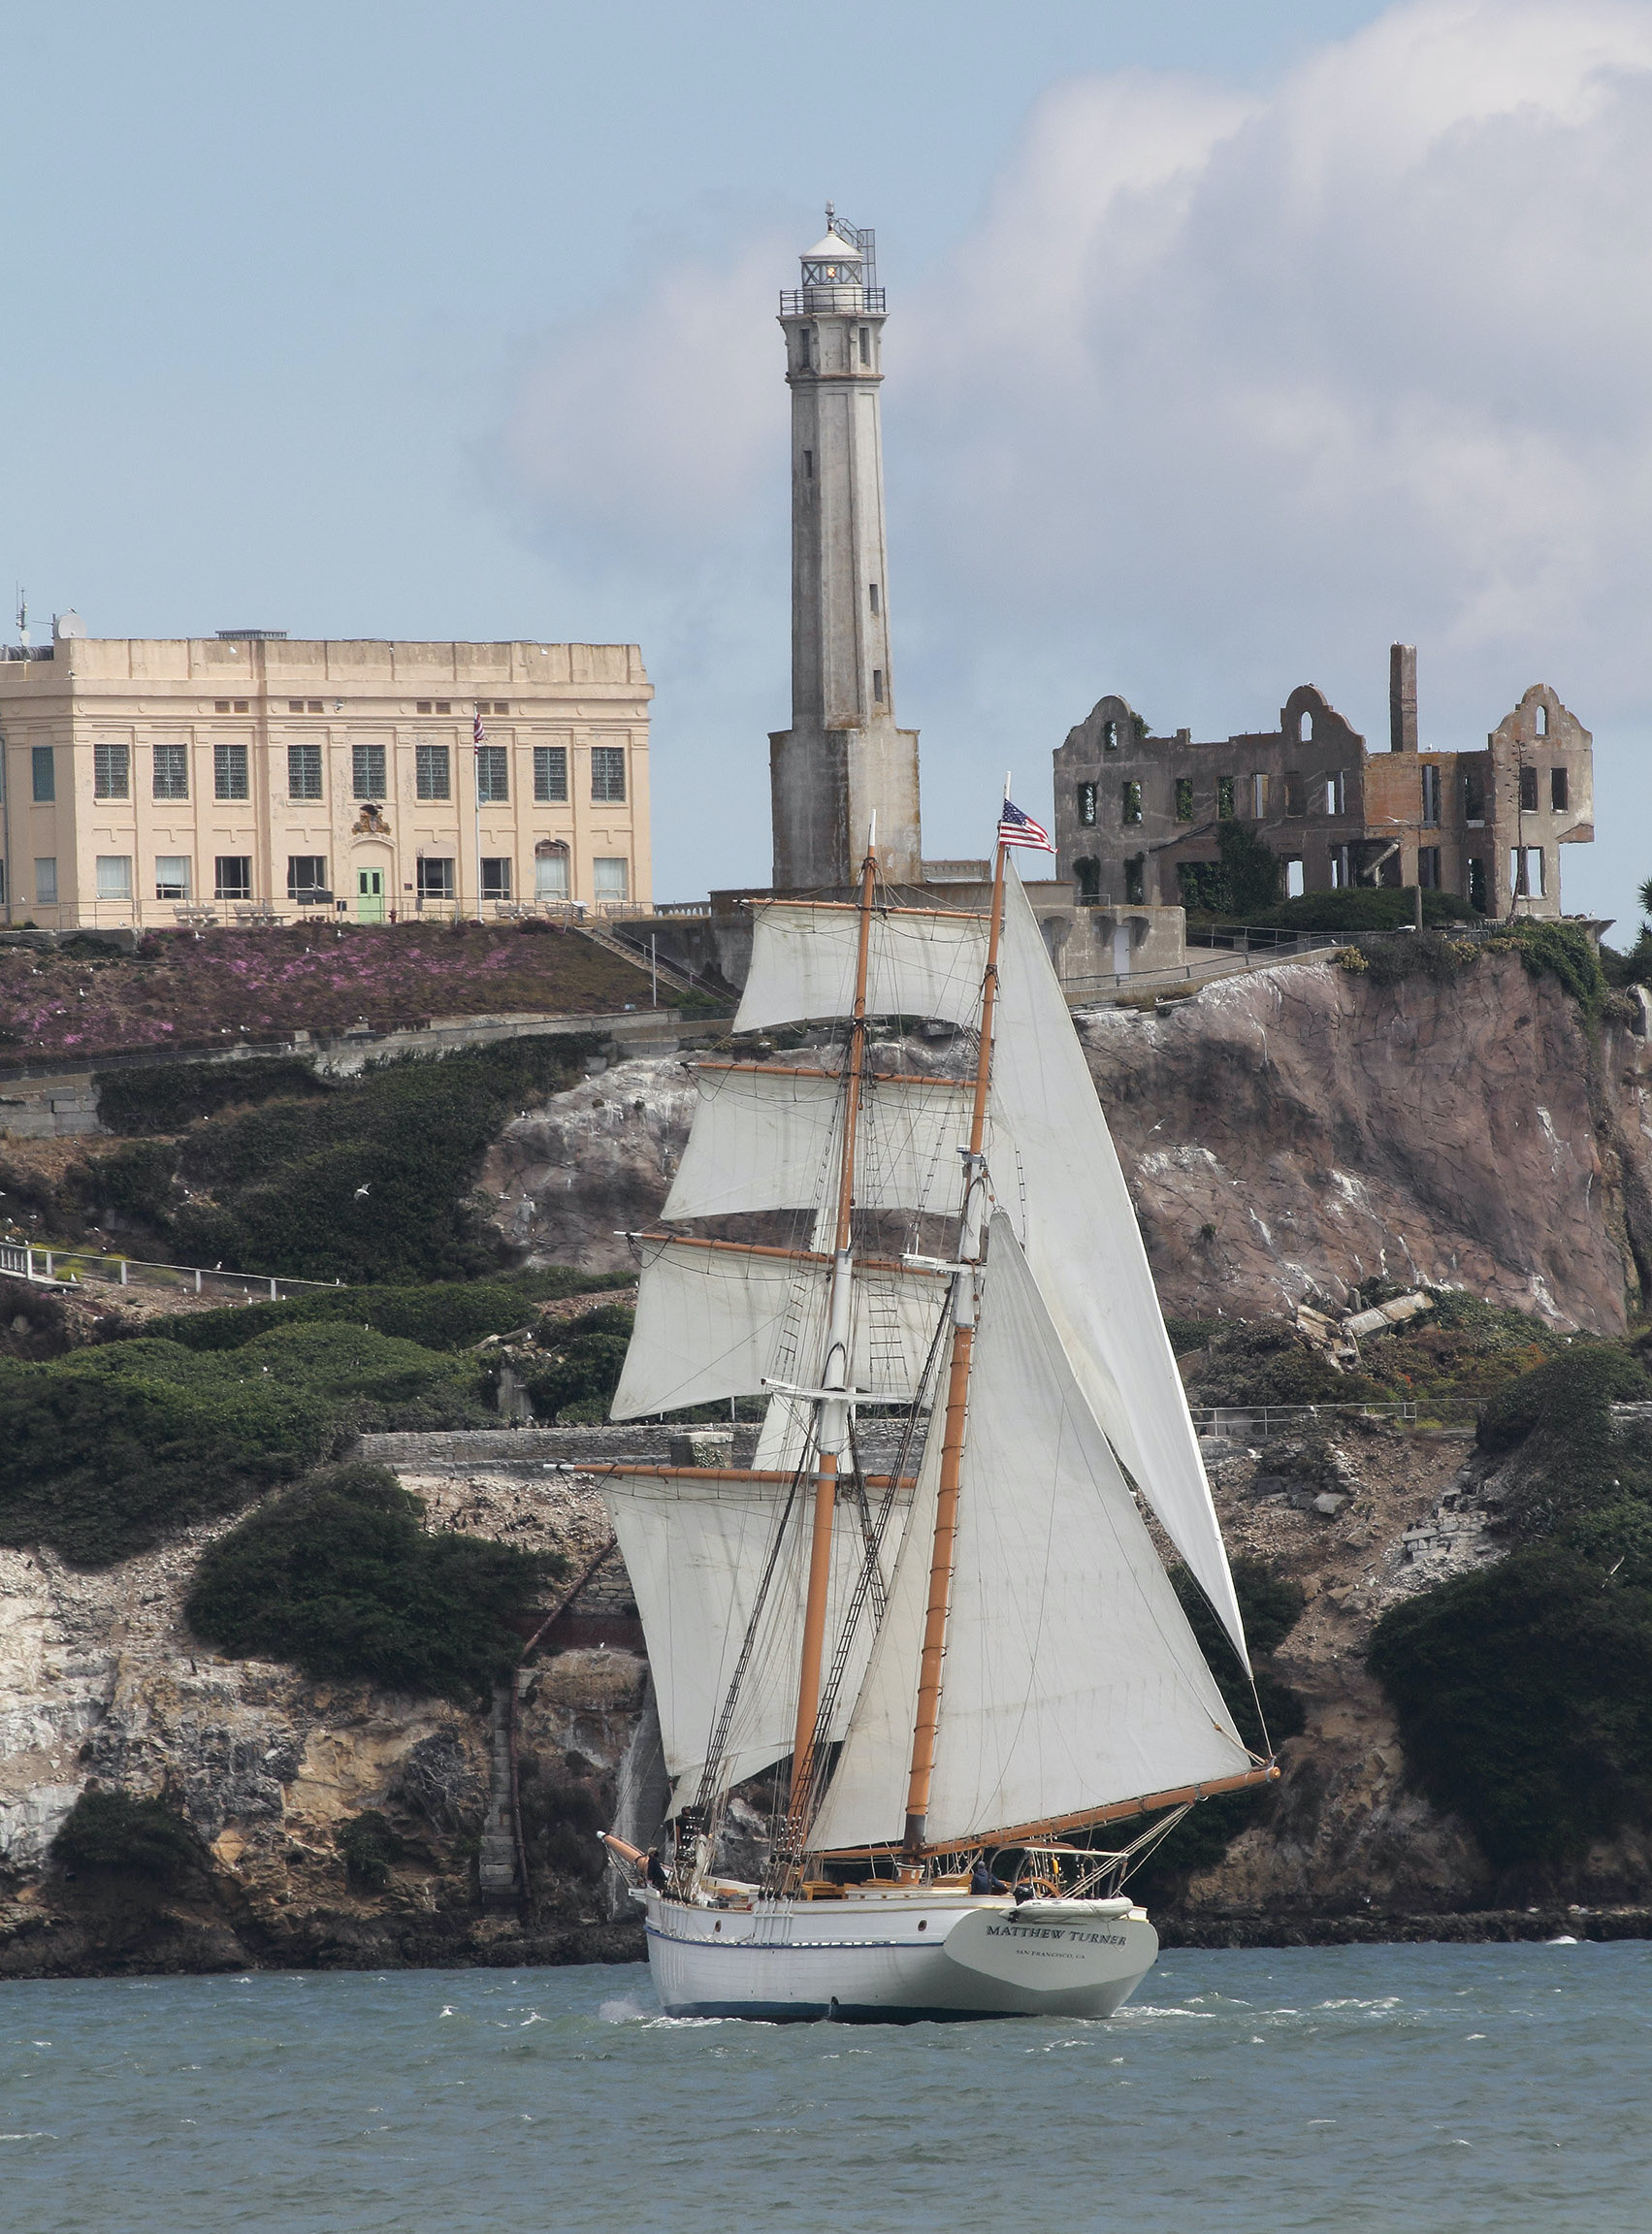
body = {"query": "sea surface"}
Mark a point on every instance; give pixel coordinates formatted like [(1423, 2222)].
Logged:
[(1381, 2088)]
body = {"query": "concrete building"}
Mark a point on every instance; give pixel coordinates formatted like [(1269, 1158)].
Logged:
[(1137, 817), (843, 757), (247, 773)]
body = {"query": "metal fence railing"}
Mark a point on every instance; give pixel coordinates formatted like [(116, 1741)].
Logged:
[(1250, 1422), (74, 1267)]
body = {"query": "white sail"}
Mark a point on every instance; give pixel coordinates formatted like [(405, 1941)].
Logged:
[(1084, 1249), (768, 1139), (695, 1549), (919, 964), (716, 1320), (1071, 1679)]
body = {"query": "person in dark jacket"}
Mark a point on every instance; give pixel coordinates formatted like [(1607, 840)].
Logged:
[(982, 1880), (657, 1876)]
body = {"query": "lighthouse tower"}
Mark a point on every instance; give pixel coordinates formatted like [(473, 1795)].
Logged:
[(843, 757)]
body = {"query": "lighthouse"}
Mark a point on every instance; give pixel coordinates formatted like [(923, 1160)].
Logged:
[(843, 758)]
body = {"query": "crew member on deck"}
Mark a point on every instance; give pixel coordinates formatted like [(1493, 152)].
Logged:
[(657, 1876), (982, 1880)]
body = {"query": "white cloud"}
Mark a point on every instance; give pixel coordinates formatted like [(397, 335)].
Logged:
[(1220, 393)]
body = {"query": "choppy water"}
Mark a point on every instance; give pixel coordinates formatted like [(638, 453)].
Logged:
[(1370, 2089)]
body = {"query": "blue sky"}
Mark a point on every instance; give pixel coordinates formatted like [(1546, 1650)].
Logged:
[(1226, 342)]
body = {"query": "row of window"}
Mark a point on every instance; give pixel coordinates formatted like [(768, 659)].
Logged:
[(308, 881), (1198, 879), (317, 706), (432, 772), (1250, 797)]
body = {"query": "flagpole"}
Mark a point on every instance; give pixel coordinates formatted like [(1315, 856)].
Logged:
[(477, 770)]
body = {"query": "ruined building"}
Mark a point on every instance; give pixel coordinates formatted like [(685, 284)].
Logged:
[(1138, 817)]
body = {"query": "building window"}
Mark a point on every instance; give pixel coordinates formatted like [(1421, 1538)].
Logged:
[(1543, 720), (495, 877), (872, 593), (1305, 728), (1184, 799), (1559, 791), (804, 352), (45, 882), (1527, 790), (1478, 885), (808, 465), (229, 705), (502, 706), (114, 876), (2, 884), (610, 879), (608, 774), (1296, 877), (1431, 797), (493, 774), (172, 876), (306, 879), (430, 777), (435, 879), (865, 344), (1428, 868), (1136, 881), (294, 705), (1110, 736), (231, 877), (1086, 877), (1473, 798), (112, 771), (1296, 793), (366, 766), (1337, 792), (421, 705), (171, 773), (1259, 797), (1224, 797), (44, 762), (877, 685), (229, 773), (1087, 806), (550, 872), (1525, 872), (303, 772), (1340, 877), (550, 772), (1130, 801)]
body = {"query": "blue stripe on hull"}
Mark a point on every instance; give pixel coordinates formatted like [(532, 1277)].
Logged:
[(853, 2013)]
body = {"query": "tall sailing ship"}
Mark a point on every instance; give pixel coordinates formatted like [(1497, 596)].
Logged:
[(931, 1610)]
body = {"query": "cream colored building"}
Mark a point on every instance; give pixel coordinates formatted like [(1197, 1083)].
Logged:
[(244, 773)]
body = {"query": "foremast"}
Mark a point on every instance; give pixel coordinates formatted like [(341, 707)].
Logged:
[(831, 1410)]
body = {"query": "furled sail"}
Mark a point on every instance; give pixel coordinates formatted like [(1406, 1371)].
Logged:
[(765, 1138), (919, 964), (715, 1320), (1084, 1247), (696, 1546), (1072, 1678)]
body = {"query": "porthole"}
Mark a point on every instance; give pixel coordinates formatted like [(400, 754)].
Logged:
[(922, 1924), (718, 1926)]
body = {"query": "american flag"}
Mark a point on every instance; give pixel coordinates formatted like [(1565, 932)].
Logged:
[(478, 736), (1018, 830)]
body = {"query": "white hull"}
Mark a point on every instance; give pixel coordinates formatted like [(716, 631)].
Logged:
[(897, 1957)]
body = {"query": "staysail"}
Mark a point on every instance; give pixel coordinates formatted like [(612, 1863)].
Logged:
[(1073, 1680), (1085, 1250)]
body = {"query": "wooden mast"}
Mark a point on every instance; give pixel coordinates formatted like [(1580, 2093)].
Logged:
[(928, 1717), (836, 1376)]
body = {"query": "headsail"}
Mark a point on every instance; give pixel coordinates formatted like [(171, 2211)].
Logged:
[(1085, 1250), (1073, 1679)]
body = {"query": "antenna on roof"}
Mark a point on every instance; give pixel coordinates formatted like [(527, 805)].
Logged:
[(22, 614)]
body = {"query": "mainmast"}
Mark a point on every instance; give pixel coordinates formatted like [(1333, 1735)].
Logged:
[(831, 1430), (965, 1283)]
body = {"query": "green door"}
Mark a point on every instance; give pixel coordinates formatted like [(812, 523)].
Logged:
[(369, 895)]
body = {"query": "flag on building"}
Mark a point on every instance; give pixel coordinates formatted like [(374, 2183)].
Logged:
[(478, 736), (1018, 830)]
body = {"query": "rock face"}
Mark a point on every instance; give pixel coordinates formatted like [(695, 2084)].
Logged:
[(1291, 1133), (1286, 1135), (100, 1679)]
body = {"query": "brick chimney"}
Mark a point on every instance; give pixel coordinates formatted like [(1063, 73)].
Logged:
[(1402, 697)]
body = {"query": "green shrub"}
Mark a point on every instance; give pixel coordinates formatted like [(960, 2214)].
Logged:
[(166, 1097), (1524, 1699), (111, 1834), (1393, 956), (582, 1365), (372, 1183), (447, 1314), (339, 1577), (368, 1847), (137, 1182), (1570, 1398), (1364, 908), (111, 1450), (1564, 950), (1187, 1333)]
